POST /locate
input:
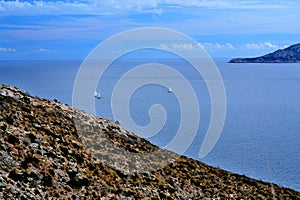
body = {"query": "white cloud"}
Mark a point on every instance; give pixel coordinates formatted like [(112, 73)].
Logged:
[(3, 49), (43, 7), (222, 47), (264, 45), (180, 46), (231, 4), (248, 46), (48, 51), (189, 47), (107, 7), (229, 46), (216, 46), (92, 7)]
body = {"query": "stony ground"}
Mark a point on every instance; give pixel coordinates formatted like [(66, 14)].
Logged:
[(49, 150)]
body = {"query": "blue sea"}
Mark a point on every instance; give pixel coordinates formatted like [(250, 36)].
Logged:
[(261, 134)]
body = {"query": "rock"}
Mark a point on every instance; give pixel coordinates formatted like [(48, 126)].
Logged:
[(52, 151), (6, 161), (34, 147), (3, 183)]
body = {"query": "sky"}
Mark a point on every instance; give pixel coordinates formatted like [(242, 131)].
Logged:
[(71, 29)]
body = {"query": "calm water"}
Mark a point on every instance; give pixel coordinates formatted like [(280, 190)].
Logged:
[(261, 136)]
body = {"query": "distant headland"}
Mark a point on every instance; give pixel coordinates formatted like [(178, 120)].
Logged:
[(290, 54)]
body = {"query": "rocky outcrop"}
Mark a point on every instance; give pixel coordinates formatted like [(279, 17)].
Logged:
[(49, 150), (287, 55)]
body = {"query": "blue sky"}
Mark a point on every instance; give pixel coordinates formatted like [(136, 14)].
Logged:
[(71, 29)]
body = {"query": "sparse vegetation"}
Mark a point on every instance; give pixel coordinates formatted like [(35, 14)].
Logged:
[(43, 155)]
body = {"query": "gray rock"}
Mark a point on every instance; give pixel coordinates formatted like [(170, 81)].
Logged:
[(34, 147), (6, 161), (2, 182)]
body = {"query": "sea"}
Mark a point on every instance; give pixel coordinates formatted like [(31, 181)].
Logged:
[(261, 133)]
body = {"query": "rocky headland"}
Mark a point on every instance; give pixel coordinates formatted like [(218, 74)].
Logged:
[(290, 54), (49, 150)]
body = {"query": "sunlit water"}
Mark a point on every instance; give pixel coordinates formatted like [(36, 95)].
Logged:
[(261, 135)]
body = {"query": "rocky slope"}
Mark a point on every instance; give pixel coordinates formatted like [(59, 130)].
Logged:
[(49, 150), (288, 55)]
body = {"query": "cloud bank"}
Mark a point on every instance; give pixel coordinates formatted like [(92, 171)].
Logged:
[(265, 45), (4, 49), (220, 46), (108, 7)]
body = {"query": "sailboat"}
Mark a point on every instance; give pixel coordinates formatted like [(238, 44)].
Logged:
[(97, 95), (170, 90)]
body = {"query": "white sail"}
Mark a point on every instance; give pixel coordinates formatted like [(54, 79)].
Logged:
[(170, 90), (97, 95)]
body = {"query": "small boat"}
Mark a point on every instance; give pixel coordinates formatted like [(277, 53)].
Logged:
[(170, 90), (97, 95)]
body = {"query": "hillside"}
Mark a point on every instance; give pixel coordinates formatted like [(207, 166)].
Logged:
[(49, 150), (290, 54)]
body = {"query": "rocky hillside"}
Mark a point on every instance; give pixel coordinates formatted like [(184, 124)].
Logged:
[(287, 55), (49, 150)]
